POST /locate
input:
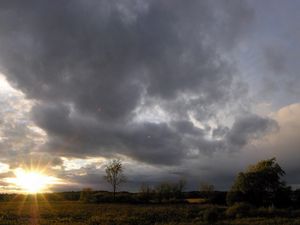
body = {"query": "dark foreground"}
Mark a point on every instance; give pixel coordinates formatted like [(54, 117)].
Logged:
[(77, 213)]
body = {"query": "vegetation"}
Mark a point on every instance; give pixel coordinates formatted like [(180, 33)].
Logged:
[(114, 174), (261, 185), (87, 195), (170, 191), (258, 196), (78, 213)]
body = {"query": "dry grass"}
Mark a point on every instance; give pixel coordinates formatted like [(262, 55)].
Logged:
[(196, 200), (77, 213)]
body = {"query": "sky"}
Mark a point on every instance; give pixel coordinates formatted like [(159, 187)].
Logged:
[(193, 90)]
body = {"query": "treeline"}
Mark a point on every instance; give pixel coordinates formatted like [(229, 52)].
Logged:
[(260, 185), (166, 192), (152, 195), (59, 196)]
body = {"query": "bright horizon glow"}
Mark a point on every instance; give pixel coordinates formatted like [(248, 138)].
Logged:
[(32, 181)]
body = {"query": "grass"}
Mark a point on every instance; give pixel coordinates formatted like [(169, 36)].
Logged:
[(196, 200), (77, 213)]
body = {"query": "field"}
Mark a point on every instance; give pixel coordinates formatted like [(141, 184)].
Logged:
[(78, 213)]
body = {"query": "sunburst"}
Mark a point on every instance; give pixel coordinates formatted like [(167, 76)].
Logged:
[(32, 181)]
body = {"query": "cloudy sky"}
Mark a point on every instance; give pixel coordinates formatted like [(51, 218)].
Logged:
[(174, 88)]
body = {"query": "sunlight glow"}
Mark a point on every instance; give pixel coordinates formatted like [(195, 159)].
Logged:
[(31, 181)]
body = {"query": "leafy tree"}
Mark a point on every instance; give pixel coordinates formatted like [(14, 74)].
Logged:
[(296, 198), (261, 184), (114, 174)]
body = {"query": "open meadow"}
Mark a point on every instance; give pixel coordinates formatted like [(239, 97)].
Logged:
[(78, 213)]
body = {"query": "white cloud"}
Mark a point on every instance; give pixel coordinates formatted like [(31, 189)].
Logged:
[(4, 168)]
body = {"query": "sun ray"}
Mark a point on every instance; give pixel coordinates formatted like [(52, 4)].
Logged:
[(22, 202), (32, 181)]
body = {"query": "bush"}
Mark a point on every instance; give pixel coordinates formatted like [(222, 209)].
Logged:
[(239, 210), (103, 197), (166, 191), (119, 198), (296, 198), (146, 193), (94, 220), (218, 198), (271, 212), (283, 198), (126, 198), (233, 197), (211, 214), (87, 195)]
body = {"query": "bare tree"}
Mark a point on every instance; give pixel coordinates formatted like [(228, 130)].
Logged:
[(114, 174)]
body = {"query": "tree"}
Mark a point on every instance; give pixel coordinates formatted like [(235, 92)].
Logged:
[(167, 190), (260, 185), (146, 193), (86, 195), (114, 174), (164, 191), (179, 188)]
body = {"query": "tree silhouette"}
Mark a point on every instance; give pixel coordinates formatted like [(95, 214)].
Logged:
[(114, 174), (261, 184)]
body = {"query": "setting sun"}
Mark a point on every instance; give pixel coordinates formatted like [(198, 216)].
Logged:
[(32, 181)]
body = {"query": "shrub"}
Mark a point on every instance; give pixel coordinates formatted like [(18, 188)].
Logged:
[(86, 195), (126, 198), (239, 210), (119, 198), (211, 214), (272, 212), (234, 197), (94, 220), (296, 198), (166, 191), (218, 198), (146, 193)]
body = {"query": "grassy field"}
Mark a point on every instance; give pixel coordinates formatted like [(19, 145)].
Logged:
[(77, 213)]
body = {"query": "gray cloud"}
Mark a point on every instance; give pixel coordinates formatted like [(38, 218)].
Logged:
[(272, 53), (155, 82), (91, 65), (250, 127), (275, 59)]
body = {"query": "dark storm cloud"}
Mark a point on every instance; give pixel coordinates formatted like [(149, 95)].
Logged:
[(73, 136), (275, 59), (244, 129), (90, 65), (250, 127)]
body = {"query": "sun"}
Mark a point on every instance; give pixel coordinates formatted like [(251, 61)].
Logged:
[(31, 181)]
